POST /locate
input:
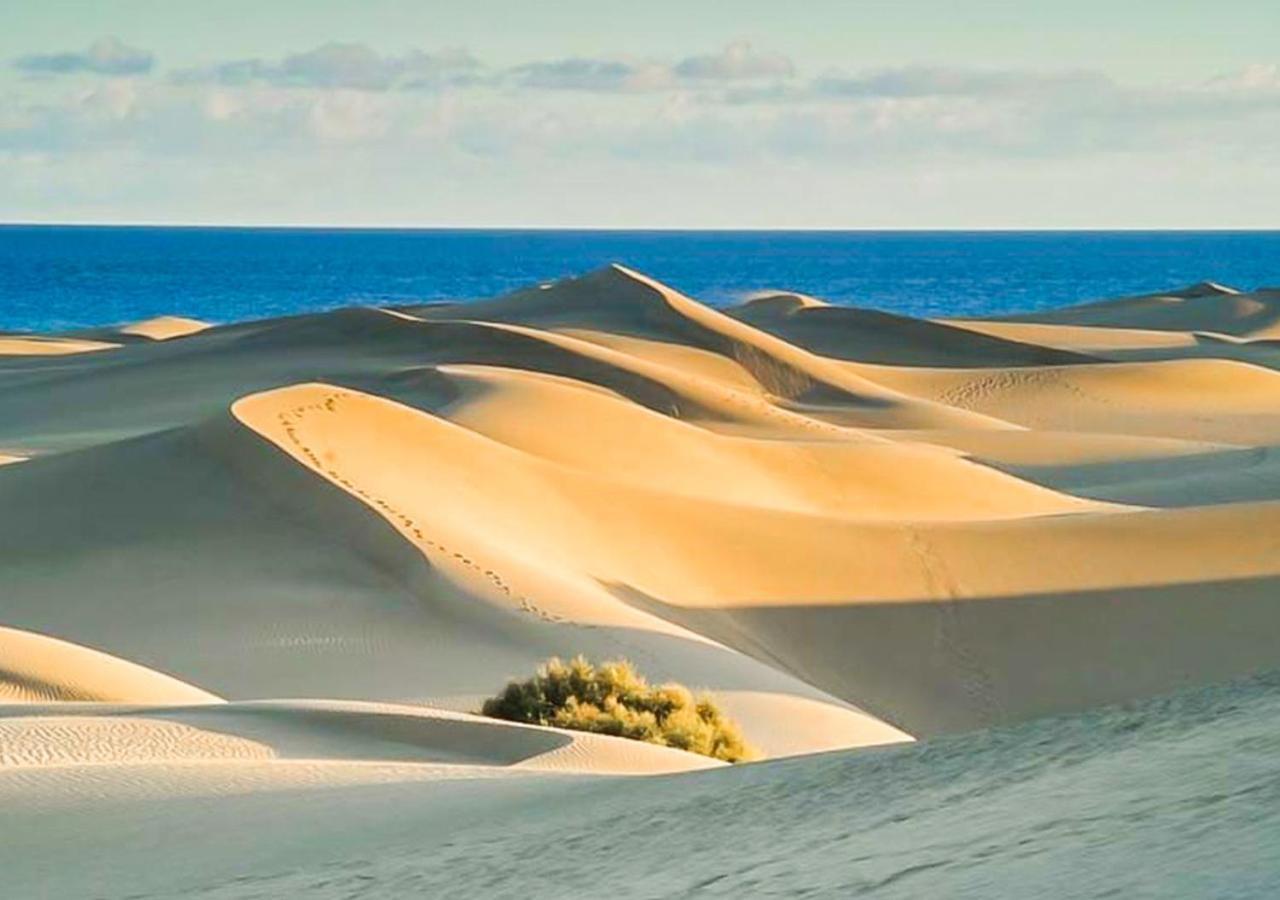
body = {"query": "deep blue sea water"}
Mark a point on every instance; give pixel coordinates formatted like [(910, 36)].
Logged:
[(65, 277)]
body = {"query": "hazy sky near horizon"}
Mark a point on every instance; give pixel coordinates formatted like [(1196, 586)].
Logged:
[(915, 113)]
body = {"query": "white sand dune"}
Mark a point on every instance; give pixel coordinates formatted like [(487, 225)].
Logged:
[(284, 561)]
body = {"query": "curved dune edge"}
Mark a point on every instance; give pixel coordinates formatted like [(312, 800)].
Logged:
[(35, 668), (856, 478), (530, 510), (760, 351), (781, 302), (62, 704), (163, 328), (315, 731)]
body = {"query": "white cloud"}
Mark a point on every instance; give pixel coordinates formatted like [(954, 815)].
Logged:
[(910, 113), (1256, 77), (105, 56), (344, 116), (932, 81), (738, 61), (350, 116), (342, 65), (584, 75)]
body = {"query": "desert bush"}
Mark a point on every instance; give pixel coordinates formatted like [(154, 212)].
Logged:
[(613, 698)]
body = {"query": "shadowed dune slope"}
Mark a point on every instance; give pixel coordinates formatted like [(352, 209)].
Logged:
[(619, 301), (869, 335), (147, 386)]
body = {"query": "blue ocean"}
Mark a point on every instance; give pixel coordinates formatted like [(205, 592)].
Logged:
[(56, 277)]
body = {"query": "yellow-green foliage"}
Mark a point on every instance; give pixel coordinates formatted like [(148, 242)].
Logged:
[(612, 698)]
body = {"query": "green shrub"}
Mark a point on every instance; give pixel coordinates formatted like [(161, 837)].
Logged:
[(612, 698)]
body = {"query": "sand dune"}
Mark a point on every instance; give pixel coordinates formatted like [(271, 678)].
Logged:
[(1201, 307), (334, 603), (862, 476), (1198, 399), (162, 328), (870, 335), (1097, 340), (1136, 345), (290, 557), (622, 303)]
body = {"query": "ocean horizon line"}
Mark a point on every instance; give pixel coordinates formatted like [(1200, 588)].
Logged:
[(593, 229)]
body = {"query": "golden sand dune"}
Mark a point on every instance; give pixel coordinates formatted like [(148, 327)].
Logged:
[(861, 476), (1214, 400), (1096, 340), (162, 328), (852, 528)]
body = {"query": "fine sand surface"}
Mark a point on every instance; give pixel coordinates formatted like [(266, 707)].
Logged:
[(271, 569)]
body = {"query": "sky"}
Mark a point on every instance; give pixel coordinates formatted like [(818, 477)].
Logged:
[(711, 114)]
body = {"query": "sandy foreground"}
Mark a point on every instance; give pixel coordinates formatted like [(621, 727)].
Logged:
[(256, 578)]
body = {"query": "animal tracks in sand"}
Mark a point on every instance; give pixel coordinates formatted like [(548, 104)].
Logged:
[(292, 422)]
